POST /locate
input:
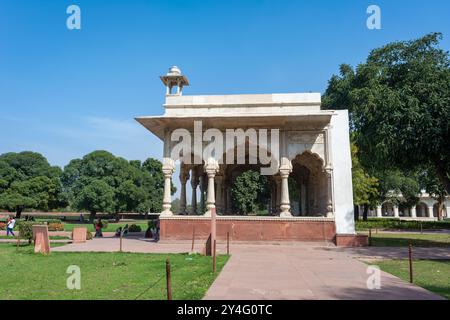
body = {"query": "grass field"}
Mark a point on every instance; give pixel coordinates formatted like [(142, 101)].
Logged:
[(433, 275), (417, 240), (111, 276)]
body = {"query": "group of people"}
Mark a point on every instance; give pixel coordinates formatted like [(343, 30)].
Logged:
[(98, 229), (124, 230)]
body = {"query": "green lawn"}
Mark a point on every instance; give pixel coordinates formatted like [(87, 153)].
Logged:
[(109, 276), (417, 240), (433, 275), (111, 226)]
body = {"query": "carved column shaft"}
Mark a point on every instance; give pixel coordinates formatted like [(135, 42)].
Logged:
[(168, 169), (184, 176), (211, 169), (219, 197), (285, 205)]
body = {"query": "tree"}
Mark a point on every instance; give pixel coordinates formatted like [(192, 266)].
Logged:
[(435, 189), (396, 182), (249, 192), (129, 196), (153, 183), (28, 181), (365, 186), (136, 187), (399, 103), (95, 197), (15, 202)]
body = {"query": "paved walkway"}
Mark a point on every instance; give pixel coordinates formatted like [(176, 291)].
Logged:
[(285, 270), (304, 271)]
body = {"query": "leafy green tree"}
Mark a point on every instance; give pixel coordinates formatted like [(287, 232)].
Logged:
[(97, 196), (249, 192), (435, 189), (394, 182), (129, 196), (15, 202), (136, 187), (399, 103), (153, 183), (28, 181), (27, 165)]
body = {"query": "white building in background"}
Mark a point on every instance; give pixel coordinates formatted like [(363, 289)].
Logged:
[(425, 209)]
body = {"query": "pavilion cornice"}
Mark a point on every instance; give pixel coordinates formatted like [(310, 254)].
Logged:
[(158, 124)]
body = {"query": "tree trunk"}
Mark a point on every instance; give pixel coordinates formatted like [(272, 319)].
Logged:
[(18, 212), (92, 216), (440, 209), (356, 212), (365, 212), (442, 175)]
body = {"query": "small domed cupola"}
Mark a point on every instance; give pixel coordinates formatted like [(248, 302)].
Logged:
[(174, 78)]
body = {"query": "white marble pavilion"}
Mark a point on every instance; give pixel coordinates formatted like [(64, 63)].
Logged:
[(314, 151)]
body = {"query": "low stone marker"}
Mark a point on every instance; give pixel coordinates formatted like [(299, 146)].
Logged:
[(79, 235), (41, 239), (207, 249)]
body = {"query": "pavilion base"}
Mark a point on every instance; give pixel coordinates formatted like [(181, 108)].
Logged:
[(242, 228), (352, 240)]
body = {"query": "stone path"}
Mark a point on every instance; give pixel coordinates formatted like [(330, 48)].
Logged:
[(286, 270), (304, 271)]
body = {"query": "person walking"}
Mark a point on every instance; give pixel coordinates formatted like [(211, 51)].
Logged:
[(98, 228), (10, 226)]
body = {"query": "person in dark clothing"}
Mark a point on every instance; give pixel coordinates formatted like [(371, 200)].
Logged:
[(98, 228)]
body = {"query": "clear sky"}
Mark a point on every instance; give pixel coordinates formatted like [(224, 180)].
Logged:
[(65, 93)]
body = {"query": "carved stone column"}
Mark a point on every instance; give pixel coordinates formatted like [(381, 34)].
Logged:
[(379, 213), (285, 205), (194, 184), (211, 169), (168, 169), (430, 212), (396, 213), (329, 213), (413, 212), (219, 197), (184, 176), (201, 185)]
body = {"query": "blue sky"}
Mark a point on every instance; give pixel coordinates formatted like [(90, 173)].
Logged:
[(65, 93)]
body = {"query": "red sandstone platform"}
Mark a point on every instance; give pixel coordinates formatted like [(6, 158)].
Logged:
[(244, 228)]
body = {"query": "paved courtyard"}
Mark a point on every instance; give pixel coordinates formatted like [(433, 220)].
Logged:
[(287, 270)]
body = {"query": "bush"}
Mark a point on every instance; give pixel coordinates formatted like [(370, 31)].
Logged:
[(387, 223), (51, 221), (88, 235), (26, 230), (2, 226), (55, 226), (134, 228)]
